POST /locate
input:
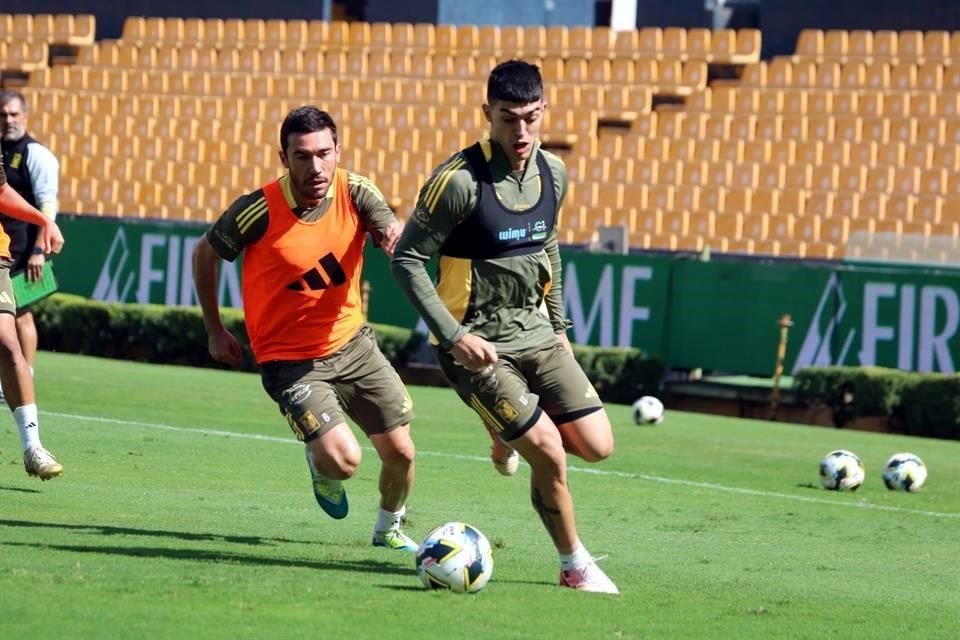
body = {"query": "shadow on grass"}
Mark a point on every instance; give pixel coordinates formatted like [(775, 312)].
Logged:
[(108, 530), (20, 490), (221, 557), (529, 583)]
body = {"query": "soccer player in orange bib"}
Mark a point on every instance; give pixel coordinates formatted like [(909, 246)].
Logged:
[(14, 371), (302, 237)]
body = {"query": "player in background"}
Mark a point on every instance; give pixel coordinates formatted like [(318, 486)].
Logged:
[(14, 371), (490, 213), (302, 239)]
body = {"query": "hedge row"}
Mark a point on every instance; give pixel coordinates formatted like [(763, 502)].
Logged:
[(922, 404), (175, 335)]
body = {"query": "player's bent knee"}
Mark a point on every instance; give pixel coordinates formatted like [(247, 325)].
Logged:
[(395, 448)]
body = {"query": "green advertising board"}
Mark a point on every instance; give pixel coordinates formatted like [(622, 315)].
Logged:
[(719, 316)]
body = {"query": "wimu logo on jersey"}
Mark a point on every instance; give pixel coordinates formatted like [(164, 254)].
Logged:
[(901, 325), (539, 232), (159, 271)]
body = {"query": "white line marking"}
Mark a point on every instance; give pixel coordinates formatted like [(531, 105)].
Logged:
[(861, 504)]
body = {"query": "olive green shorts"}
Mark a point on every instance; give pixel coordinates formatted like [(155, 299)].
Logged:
[(510, 396), (358, 379), (7, 302)]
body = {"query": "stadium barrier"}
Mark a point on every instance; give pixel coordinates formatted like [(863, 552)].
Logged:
[(718, 316)]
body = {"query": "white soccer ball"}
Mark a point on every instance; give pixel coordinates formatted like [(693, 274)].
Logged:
[(455, 556), (841, 470), (905, 472), (648, 410)]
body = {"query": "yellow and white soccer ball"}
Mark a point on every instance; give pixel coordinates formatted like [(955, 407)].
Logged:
[(841, 470), (647, 410), (904, 472)]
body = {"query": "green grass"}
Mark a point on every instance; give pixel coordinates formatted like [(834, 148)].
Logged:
[(714, 527)]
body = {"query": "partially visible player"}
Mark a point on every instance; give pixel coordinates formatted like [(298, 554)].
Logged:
[(14, 371), (33, 171), (489, 213), (302, 239)]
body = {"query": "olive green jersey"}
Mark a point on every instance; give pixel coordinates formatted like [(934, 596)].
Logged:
[(515, 301)]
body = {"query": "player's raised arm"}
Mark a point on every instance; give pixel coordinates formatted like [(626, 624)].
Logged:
[(12, 203)]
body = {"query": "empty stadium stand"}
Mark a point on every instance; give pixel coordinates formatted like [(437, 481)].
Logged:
[(683, 136)]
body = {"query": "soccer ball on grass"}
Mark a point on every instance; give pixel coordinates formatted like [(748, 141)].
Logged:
[(841, 470), (647, 410), (455, 556), (904, 471)]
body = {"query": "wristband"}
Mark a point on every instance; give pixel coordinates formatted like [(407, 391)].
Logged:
[(37, 251)]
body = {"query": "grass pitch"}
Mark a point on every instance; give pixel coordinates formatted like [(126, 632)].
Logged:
[(185, 512)]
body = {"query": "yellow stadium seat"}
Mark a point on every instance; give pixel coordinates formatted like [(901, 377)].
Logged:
[(602, 42), (699, 44), (580, 40), (674, 42), (851, 178), (297, 36), (754, 75), (686, 197), (693, 77), (920, 155), (909, 45), (872, 204), (648, 222), (885, 46), (936, 45), (511, 40), (951, 208), (875, 128), (835, 230), (737, 200), (928, 208), (864, 153), (723, 46), (877, 76), (728, 151), (836, 44), (810, 44), (780, 73), (702, 223), (756, 226), (860, 44), (880, 178), (900, 207), (676, 222), (445, 39), (557, 41), (729, 225), (906, 180), (645, 43), (781, 228), (748, 46)]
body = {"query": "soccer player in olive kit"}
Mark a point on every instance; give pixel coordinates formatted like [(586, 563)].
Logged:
[(302, 238), (490, 213)]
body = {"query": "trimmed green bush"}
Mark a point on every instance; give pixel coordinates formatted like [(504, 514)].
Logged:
[(931, 407), (618, 374), (854, 391), (175, 335), (153, 333), (920, 404)]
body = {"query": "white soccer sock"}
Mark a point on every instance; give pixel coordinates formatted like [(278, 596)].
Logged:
[(577, 558), (28, 425), (387, 520)]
